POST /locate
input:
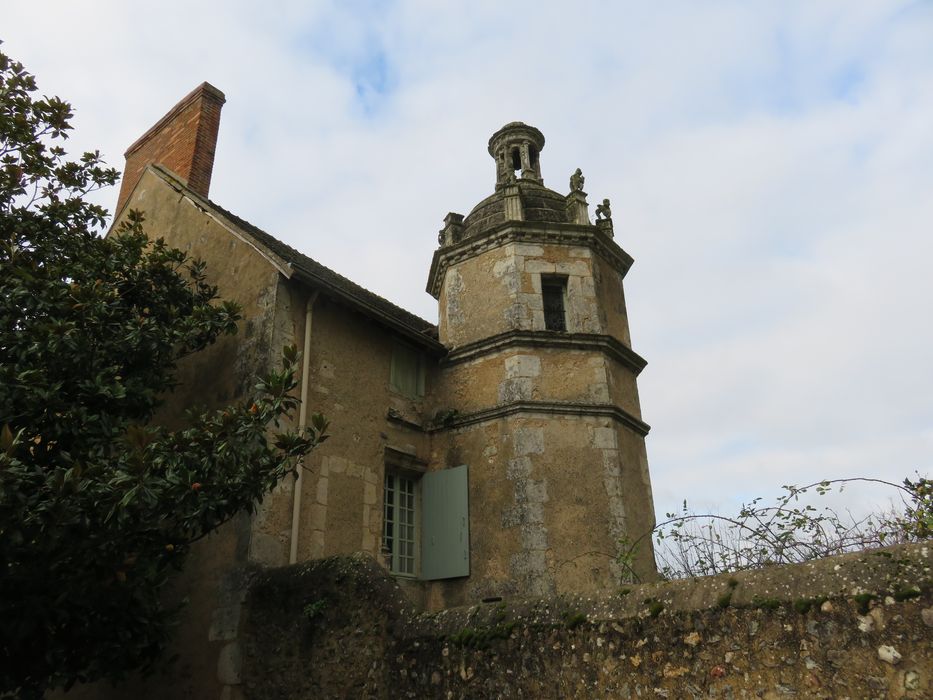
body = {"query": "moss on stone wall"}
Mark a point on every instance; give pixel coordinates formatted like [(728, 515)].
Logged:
[(856, 626)]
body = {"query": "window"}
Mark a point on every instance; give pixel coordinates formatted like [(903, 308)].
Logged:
[(399, 522), (407, 373), (426, 523), (553, 291)]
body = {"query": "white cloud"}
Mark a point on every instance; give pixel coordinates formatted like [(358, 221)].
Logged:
[(770, 168)]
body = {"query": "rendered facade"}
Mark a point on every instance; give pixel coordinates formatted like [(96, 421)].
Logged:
[(498, 453)]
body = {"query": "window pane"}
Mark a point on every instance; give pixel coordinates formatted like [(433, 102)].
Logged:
[(552, 292), (399, 523)]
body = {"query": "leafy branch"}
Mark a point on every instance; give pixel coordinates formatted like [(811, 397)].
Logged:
[(787, 531)]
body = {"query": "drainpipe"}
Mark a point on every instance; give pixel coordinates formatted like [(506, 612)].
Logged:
[(302, 422)]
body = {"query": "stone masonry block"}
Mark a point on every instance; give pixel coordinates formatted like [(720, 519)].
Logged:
[(317, 543), (522, 366), (611, 462), (338, 465), (613, 486), (507, 266), (232, 692), (518, 468), (318, 516), (531, 567), (528, 441), (232, 589), (225, 622), (518, 389), (538, 319), (229, 664), (267, 550), (513, 516), (369, 494), (522, 513), (540, 266), (321, 494), (579, 253), (528, 250), (577, 267), (534, 539), (536, 491), (532, 301), (605, 438)]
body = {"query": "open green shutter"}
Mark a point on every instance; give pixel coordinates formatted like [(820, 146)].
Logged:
[(445, 525)]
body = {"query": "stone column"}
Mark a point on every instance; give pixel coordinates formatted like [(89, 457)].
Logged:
[(527, 171)]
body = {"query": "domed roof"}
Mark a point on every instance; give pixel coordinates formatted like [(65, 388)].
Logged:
[(538, 204)]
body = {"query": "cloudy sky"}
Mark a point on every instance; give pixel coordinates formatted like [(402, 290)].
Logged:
[(770, 167)]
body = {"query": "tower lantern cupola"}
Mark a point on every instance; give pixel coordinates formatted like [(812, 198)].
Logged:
[(516, 148)]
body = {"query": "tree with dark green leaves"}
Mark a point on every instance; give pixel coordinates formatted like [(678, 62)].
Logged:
[(98, 507)]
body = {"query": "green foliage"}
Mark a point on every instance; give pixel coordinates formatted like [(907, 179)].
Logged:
[(906, 593), (97, 507), (785, 532), (655, 607), (573, 620), (315, 609), (863, 602), (481, 638)]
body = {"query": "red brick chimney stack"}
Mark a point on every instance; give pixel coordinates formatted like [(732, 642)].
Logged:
[(183, 141)]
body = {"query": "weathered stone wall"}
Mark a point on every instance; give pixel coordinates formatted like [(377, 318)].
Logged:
[(856, 626), (341, 505), (350, 360), (550, 498), (500, 289)]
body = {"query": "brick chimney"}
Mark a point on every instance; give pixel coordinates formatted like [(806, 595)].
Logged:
[(183, 141)]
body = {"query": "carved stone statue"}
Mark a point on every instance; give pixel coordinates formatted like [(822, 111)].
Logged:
[(576, 181), (603, 211)]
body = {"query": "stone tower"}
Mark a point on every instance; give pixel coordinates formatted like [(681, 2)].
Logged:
[(538, 391)]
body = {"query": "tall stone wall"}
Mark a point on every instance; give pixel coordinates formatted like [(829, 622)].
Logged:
[(856, 626)]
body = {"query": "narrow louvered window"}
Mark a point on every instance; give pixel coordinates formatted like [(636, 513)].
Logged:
[(553, 290)]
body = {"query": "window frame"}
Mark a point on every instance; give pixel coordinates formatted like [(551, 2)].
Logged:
[(391, 552), (551, 282)]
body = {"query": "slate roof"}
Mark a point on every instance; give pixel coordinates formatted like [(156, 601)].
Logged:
[(317, 275)]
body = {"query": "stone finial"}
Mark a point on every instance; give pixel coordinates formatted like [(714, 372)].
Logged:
[(577, 180), (452, 231), (603, 211), (604, 218)]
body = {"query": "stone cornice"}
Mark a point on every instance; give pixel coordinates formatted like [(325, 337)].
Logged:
[(605, 344), (553, 408), (542, 232)]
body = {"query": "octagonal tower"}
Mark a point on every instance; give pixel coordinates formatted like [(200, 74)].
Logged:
[(538, 391)]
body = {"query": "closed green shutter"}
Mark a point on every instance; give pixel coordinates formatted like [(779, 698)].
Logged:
[(445, 525)]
